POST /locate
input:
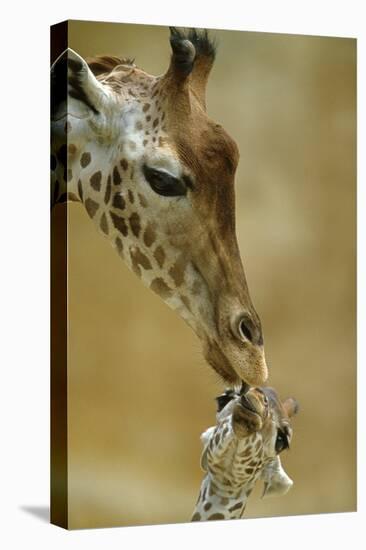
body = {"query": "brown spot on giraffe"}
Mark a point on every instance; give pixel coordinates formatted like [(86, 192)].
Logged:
[(237, 506), (131, 196), (104, 224), (149, 235), (124, 164), (85, 159), (119, 245), (177, 271), (159, 286), (119, 223), (139, 259), (135, 224), (119, 201), (207, 506), (108, 190), (72, 197), (91, 207), (146, 107), (95, 180), (116, 176), (80, 190), (216, 516), (196, 517), (212, 489)]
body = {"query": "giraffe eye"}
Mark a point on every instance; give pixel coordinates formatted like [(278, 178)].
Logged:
[(163, 183), (281, 442)]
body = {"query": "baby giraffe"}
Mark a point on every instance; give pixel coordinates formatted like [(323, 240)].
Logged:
[(253, 427)]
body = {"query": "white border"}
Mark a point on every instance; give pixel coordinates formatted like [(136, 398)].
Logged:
[(25, 271)]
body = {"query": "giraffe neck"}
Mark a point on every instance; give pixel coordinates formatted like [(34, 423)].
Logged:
[(233, 463), (216, 503), (124, 215)]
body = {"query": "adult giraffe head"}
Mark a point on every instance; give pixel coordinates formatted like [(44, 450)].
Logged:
[(156, 175)]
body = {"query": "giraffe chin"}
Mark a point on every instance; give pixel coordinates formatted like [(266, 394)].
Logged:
[(257, 375), (252, 372)]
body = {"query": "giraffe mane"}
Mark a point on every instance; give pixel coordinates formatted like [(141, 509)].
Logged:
[(105, 64)]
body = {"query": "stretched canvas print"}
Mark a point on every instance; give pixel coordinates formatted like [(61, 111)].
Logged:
[(212, 171)]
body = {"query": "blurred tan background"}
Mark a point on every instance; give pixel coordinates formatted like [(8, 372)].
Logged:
[(139, 392)]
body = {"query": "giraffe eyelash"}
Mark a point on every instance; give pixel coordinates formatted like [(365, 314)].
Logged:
[(163, 183)]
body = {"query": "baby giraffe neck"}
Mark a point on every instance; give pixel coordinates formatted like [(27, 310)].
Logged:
[(216, 503)]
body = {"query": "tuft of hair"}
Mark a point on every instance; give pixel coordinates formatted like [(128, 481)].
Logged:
[(204, 44), (296, 405), (104, 64)]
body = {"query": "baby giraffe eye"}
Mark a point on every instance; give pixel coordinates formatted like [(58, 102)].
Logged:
[(163, 183), (281, 442)]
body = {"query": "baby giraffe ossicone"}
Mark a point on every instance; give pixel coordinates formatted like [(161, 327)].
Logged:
[(253, 427)]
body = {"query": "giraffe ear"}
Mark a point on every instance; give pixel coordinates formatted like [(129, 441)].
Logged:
[(223, 399), (205, 439), (276, 481), (74, 87)]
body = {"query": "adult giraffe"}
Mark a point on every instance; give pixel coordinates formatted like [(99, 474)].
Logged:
[(156, 175)]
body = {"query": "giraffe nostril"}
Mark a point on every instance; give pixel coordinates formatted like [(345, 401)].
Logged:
[(245, 329)]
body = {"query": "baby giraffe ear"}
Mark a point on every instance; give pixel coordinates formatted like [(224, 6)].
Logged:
[(276, 481), (291, 406), (205, 439), (223, 399)]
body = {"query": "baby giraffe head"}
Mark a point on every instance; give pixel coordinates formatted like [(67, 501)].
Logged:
[(261, 423), (253, 428)]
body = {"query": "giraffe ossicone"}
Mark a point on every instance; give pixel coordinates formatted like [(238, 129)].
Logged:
[(156, 176), (253, 428)]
